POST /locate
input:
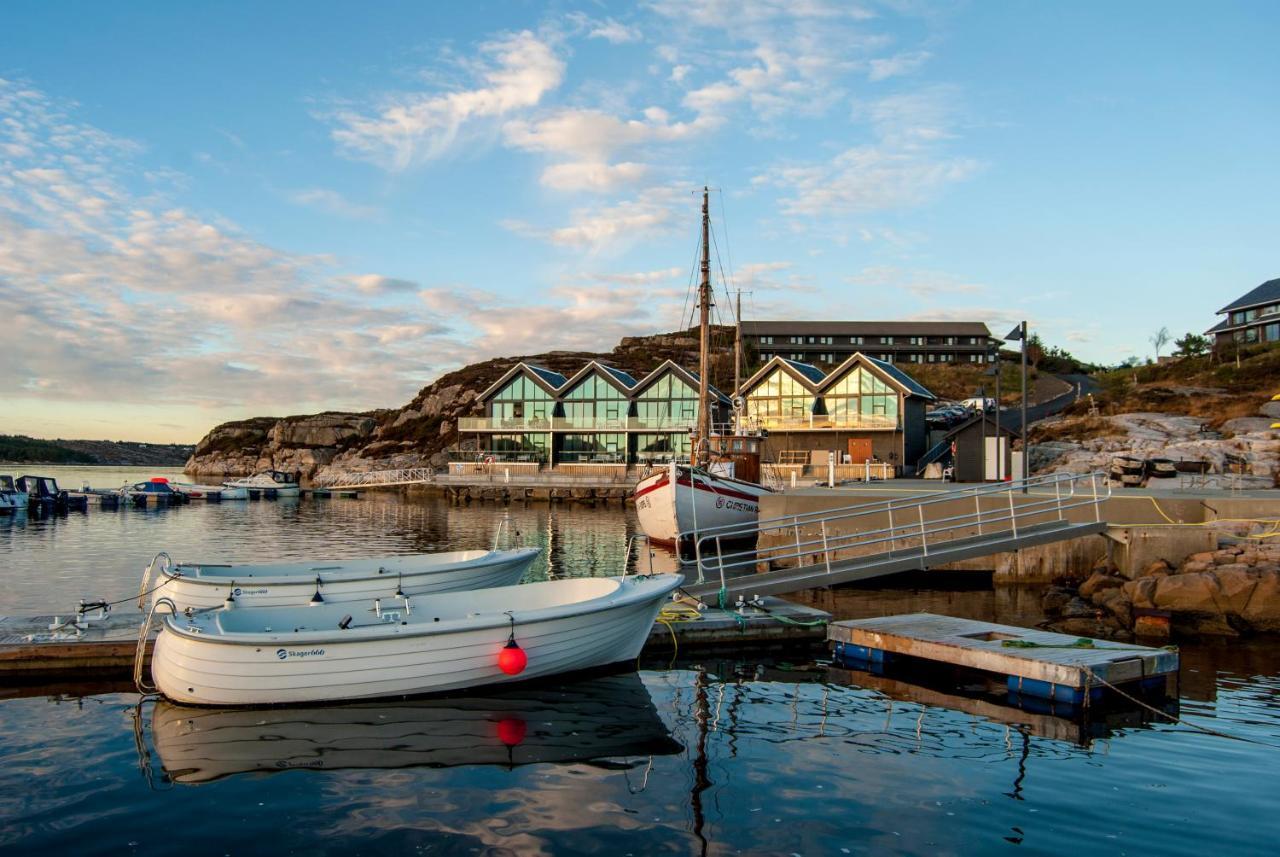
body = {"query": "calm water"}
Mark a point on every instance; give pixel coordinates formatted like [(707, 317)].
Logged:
[(707, 756)]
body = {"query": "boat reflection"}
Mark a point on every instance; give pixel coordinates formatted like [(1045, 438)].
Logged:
[(590, 720)]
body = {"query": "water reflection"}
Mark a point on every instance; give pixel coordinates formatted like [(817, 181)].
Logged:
[(590, 720)]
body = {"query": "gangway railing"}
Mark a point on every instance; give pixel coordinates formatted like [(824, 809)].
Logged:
[(375, 478), (833, 538)]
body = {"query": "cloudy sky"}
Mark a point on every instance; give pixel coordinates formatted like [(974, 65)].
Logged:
[(212, 211)]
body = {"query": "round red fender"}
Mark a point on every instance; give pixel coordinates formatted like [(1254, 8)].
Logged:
[(512, 660), (511, 730)]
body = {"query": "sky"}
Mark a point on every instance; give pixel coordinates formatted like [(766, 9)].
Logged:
[(221, 210)]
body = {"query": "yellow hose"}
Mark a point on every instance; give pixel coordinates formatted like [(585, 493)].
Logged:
[(1274, 522)]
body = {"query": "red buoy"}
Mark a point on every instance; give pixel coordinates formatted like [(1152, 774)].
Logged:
[(512, 660), (511, 730)]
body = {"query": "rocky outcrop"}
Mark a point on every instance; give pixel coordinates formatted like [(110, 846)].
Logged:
[(1157, 435), (1231, 591), (301, 444)]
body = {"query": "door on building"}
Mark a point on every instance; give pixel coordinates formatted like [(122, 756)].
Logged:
[(859, 449)]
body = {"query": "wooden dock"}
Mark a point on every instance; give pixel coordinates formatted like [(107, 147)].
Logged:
[(1034, 663), (45, 645)]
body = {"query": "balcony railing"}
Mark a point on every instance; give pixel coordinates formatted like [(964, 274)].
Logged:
[(593, 424), (825, 422)]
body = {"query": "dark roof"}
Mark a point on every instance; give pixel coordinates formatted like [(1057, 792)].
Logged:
[(862, 328), (555, 379), (622, 377), (1222, 325), (913, 386), (813, 373), (1268, 292), (1010, 423)]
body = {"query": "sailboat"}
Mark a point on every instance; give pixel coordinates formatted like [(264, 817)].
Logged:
[(719, 487)]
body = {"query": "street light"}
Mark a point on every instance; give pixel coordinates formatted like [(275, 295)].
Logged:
[(1019, 333)]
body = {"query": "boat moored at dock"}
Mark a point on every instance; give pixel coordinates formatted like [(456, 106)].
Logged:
[(43, 494), (154, 492), (293, 584), (211, 493), (438, 643), (283, 484), (11, 499)]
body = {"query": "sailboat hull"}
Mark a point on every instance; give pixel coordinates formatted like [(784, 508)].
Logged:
[(696, 501)]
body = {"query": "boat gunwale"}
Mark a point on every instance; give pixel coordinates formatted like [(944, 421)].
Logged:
[(425, 629), (488, 560)]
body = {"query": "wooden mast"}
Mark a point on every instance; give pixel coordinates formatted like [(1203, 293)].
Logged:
[(702, 445)]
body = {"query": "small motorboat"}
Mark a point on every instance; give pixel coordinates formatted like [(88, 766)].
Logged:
[(155, 492), (11, 499), (433, 644), (43, 494), (297, 584), (210, 493), (602, 717), (279, 482)]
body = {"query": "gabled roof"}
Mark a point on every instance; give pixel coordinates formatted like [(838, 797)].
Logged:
[(544, 378), (890, 373), (616, 377), (668, 366), (1220, 326), (1268, 292), (810, 376)]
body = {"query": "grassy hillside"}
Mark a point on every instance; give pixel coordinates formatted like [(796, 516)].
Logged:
[(22, 449), (29, 450)]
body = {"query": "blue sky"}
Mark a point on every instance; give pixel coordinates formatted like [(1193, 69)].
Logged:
[(212, 211)]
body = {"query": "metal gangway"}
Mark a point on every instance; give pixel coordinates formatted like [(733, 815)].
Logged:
[(871, 539), (379, 478)]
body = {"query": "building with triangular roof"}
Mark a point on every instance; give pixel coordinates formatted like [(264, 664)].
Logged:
[(1251, 318)]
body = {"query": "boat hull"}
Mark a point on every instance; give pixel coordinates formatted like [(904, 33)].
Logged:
[(462, 653), (357, 580), (666, 509)]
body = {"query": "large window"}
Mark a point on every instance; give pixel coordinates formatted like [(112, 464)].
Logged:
[(667, 403), (595, 403), (519, 447), (862, 398), (779, 398), (594, 449), (661, 448), (1271, 333), (521, 402)]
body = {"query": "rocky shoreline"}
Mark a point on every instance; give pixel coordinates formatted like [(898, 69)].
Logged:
[(1232, 591)]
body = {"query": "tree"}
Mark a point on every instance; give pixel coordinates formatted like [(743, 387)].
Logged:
[(1158, 339), (1191, 345)]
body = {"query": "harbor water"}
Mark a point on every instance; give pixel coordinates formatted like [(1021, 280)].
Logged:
[(702, 755)]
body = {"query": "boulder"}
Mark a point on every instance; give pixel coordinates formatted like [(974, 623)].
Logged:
[(1159, 568), (1098, 581), (1055, 599), (1262, 611), (1113, 601), (1187, 593), (1139, 592)]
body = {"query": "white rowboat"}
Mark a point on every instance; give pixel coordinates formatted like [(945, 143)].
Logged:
[(437, 643), (202, 492), (295, 584)]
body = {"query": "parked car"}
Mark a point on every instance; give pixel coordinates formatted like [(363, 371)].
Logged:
[(979, 403)]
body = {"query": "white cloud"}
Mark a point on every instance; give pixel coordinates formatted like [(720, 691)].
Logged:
[(411, 128), (593, 176), (614, 32), (905, 166), (898, 64), (376, 284), (919, 283), (612, 227), (332, 202)]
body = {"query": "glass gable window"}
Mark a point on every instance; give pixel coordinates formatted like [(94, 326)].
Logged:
[(862, 398), (667, 403), (521, 402), (779, 397), (1272, 332), (593, 403)]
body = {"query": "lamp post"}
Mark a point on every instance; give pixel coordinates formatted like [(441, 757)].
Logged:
[(1020, 333)]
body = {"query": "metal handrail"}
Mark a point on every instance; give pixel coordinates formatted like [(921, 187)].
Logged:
[(626, 557), (149, 572), (140, 651), (378, 477), (987, 523)]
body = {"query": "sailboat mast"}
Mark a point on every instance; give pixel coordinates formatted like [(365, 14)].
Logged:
[(737, 344), (703, 444)]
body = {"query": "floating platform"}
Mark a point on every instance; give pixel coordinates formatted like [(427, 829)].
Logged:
[(326, 493), (45, 645), (1040, 664)]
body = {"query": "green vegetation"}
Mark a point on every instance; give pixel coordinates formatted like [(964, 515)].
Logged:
[(23, 449)]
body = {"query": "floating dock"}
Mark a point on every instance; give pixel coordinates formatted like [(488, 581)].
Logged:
[(45, 645), (1035, 663)]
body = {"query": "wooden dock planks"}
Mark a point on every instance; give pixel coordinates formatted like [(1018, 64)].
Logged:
[(1053, 659)]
